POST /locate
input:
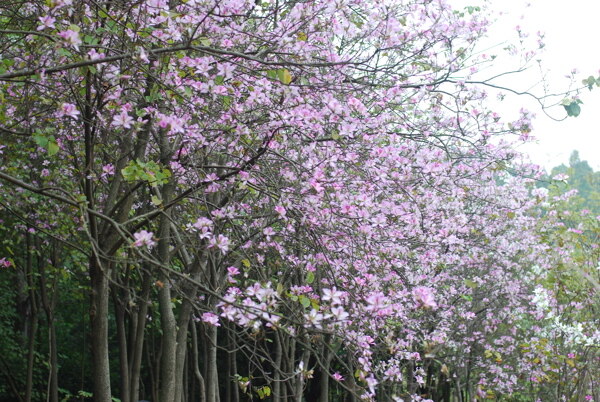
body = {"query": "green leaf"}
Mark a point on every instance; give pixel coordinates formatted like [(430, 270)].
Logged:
[(204, 41), (572, 106), (40, 140), (573, 109), (310, 277), (263, 392), (589, 82), (284, 76), (52, 148), (305, 301), (226, 101)]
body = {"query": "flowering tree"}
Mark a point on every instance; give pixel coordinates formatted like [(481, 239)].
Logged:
[(311, 188)]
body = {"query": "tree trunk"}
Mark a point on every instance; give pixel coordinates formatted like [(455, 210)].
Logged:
[(168, 366), (212, 365), (169, 344), (299, 386), (212, 371), (199, 376), (33, 320), (277, 397), (99, 333), (99, 270), (184, 319), (122, 339), (48, 303), (138, 340), (324, 380)]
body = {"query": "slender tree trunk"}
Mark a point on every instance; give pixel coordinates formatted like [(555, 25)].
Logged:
[(169, 344), (184, 319), (351, 382), (138, 343), (212, 373), (99, 333), (48, 305), (99, 270), (299, 387), (277, 397), (31, 355), (233, 359), (232, 387), (168, 367), (153, 362), (53, 388), (324, 380), (122, 339), (33, 320), (291, 368), (197, 373)]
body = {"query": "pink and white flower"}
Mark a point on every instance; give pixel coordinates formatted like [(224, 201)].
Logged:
[(424, 298), (143, 238)]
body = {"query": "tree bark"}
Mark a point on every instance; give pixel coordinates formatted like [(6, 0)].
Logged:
[(138, 343), (33, 320), (212, 371), (99, 333), (122, 339), (324, 374), (277, 397), (199, 376), (168, 366), (48, 303)]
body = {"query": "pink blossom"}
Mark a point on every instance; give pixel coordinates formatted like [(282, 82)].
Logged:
[(337, 376), (68, 109), (339, 313), (561, 176), (94, 55), (71, 37), (143, 238), (268, 232), (231, 272), (47, 22), (332, 295), (5, 263), (122, 119), (211, 318), (221, 242), (424, 298), (203, 223), (280, 210), (226, 70), (108, 169)]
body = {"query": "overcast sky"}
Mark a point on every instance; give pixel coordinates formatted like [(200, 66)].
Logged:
[(572, 29)]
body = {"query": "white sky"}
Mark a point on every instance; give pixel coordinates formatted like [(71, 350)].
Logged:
[(572, 29)]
